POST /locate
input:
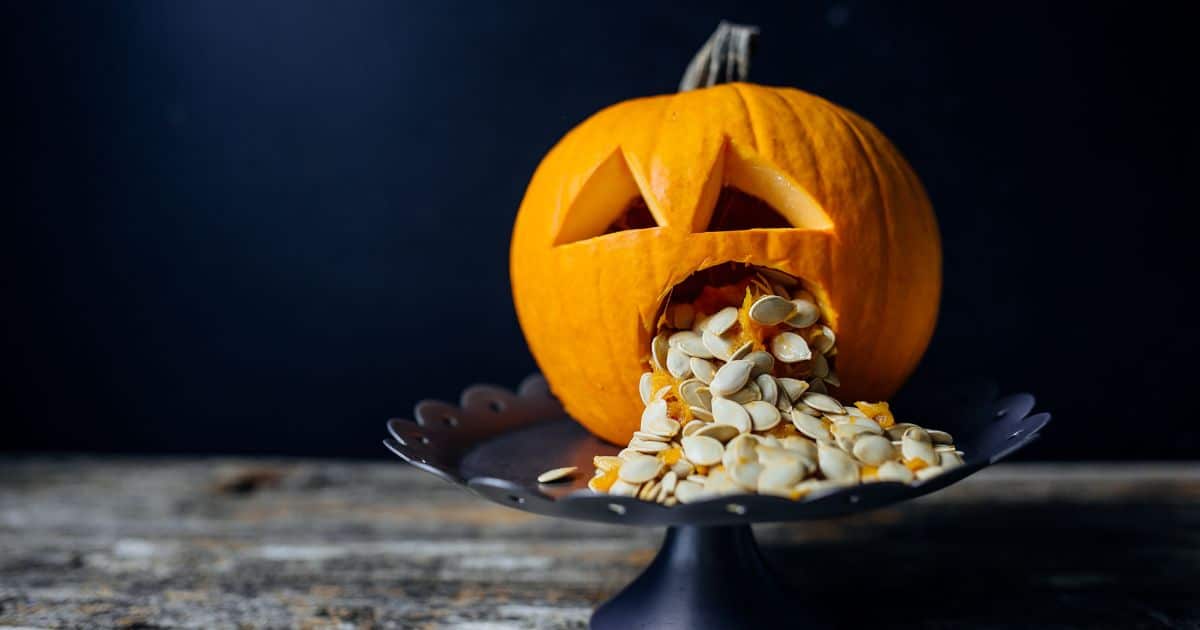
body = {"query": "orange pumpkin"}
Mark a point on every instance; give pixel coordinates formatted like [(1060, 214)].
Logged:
[(622, 209)]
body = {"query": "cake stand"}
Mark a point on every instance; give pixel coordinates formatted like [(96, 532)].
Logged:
[(709, 572)]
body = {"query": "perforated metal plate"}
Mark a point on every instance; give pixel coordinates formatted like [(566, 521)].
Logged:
[(496, 442)]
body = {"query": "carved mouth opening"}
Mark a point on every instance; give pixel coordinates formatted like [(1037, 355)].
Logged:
[(706, 300)]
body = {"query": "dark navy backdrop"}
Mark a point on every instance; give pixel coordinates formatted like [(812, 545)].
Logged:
[(266, 227)]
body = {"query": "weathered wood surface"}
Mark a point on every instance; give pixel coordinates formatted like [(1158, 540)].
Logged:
[(216, 543)]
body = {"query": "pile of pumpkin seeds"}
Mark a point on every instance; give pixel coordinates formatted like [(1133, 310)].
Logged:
[(722, 417)]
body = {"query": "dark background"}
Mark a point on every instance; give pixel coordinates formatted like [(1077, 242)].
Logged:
[(250, 227)]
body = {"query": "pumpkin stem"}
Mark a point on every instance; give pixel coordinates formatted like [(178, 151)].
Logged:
[(724, 57)]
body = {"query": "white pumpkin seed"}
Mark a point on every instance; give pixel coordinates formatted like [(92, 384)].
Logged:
[(746, 475), (845, 430), (763, 362), (658, 352), (726, 411), (690, 393), (793, 388), (701, 413), (929, 472), (648, 491), (763, 415), (822, 339), (742, 351), (868, 423), (661, 393), (688, 491), (730, 377), (824, 403), (746, 394), (722, 321), (790, 348), (917, 433), (939, 437), (647, 446), (669, 481), (717, 346), (767, 387), (913, 448), (702, 451), (557, 474), (626, 453), (894, 471), (621, 488), (678, 363), (800, 445), (805, 313), (740, 450), (720, 432), (835, 464), (873, 450), (770, 310), (606, 463), (813, 488), (896, 431), (654, 411), (683, 468), (811, 426), (644, 387), (690, 344), (666, 427), (950, 460), (780, 476), (650, 437), (640, 469), (692, 426), (703, 369)]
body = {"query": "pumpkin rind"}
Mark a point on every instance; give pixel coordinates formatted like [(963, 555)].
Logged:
[(587, 306)]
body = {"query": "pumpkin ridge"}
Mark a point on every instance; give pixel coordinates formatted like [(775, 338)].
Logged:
[(749, 115)]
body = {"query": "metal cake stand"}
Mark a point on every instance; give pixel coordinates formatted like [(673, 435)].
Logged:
[(496, 442)]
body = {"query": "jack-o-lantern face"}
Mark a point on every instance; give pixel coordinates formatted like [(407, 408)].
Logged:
[(645, 193)]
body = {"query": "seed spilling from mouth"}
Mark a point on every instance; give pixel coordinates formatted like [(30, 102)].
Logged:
[(738, 401)]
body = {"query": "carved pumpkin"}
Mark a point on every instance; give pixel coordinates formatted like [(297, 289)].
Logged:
[(647, 192)]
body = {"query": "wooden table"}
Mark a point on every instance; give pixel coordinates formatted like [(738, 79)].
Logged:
[(216, 543)]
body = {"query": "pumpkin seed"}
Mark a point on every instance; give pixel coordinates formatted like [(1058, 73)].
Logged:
[(666, 427), (688, 491), (717, 346), (669, 481), (661, 393), (683, 468), (780, 476), (722, 321), (701, 413), (822, 339), (658, 352), (817, 385), (690, 344), (768, 388), (845, 430), (678, 363), (822, 402), (692, 426), (804, 314), (794, 388), (689, 392), (654, 411), (763, 415), (950, 459), (896, 431), (647, 446), (873, 450), (800, 445), (606, 462), (790, 348), (621, 488), (702, 450), (729, 412), (644, 387), (742, 351), (626, 453), (763, 363), (640, 469), (770, 310), (650, 437), (703, 369), (730, 377), (749, 393), (557, 474), (939, 437), (945, 448), (720, 432), (740, 450), (811, 426), (820, 366), (913, 448), (835, 464), (648, 491), (746, 475), (929, 472), (894, 471), (868, 423)]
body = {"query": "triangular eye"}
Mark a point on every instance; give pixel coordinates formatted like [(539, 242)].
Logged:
[(609, 201), (739, 210)]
